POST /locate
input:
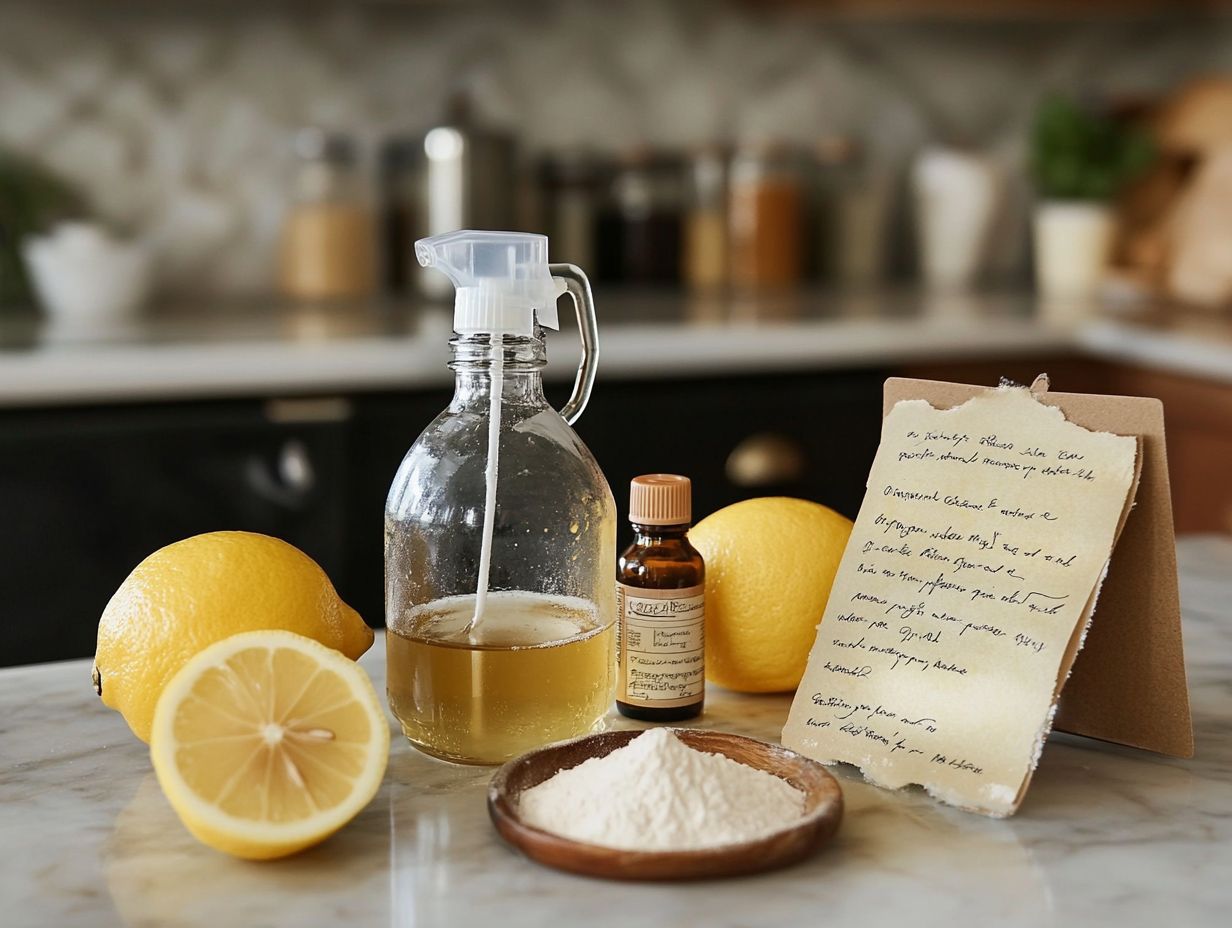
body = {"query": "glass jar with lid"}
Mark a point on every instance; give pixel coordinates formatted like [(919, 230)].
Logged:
[(856, 198), (641, 231), (705, 224), (328, 245), (570, 181), (766, 216)]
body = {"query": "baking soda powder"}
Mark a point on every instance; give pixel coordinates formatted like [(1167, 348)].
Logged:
[(658, 794)]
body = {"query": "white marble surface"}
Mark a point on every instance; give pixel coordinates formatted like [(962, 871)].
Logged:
[(264, 351), (1107, 835)]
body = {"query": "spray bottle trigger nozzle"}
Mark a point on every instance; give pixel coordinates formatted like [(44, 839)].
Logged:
[(501, 279), (547, 316)]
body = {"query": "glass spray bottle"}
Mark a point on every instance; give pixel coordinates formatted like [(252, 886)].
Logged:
[(500, 529)]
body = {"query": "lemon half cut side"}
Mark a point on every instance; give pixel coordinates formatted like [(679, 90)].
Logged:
[(268, 742)]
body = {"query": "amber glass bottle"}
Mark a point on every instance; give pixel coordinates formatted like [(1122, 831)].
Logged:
[(660, 600)]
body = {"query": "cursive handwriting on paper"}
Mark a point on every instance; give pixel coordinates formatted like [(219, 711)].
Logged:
[(984, 533)]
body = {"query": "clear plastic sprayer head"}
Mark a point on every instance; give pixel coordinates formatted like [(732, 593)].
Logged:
[(502, 280)]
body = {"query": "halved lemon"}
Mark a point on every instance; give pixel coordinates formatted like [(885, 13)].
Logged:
[(268, 742)]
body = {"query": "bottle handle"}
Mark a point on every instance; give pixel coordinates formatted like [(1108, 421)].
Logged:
[(578, 287)]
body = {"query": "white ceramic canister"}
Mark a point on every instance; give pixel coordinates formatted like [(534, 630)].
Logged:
[(957, 194)]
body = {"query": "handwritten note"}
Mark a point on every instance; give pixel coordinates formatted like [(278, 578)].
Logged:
[(968, 581)]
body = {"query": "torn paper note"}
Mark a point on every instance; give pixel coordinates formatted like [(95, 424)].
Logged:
[(972, 568)]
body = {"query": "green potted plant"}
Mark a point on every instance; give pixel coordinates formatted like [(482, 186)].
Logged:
[(1080, 159)]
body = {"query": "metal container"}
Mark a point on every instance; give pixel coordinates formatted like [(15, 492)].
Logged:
[(458, 174)]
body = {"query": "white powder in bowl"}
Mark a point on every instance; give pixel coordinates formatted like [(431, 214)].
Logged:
[(658, 794)]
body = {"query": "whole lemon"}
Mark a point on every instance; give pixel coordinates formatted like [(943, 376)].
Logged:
[(194, 592), (770, 563)]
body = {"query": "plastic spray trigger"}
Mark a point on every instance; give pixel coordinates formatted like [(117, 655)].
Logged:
[(502, 281)]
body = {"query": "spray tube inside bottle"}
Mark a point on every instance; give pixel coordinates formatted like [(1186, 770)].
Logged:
[(503, 287)]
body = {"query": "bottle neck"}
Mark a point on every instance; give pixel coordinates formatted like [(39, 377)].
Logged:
[(517, 360), (656, 534)]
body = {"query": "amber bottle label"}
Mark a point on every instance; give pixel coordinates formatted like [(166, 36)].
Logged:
[(660, 646)]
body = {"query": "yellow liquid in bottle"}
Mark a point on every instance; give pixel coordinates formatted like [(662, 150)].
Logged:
[(536, 669)]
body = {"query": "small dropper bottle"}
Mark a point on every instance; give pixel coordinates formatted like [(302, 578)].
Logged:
[(660, 606)]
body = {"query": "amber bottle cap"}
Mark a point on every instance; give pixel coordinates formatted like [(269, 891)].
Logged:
[(661, 499)]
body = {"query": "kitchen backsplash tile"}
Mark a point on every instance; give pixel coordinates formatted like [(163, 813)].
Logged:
[(175, 118)]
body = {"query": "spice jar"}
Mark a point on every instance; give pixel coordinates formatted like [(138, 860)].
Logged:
[(569, 183), (640, 229), (766, 217), (400, 208), (705, 226), (328, 247), (856, 197)]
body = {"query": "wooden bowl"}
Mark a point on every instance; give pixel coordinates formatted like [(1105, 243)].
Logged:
[(823, 807)]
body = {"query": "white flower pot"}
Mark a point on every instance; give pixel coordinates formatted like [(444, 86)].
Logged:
[(1073, 242), (86, 278)]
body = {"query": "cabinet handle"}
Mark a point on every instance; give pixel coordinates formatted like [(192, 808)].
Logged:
[(293, 477), (295, 467), (765, 459)]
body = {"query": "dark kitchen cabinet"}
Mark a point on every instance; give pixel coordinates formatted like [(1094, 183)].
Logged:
[(811, 436), (86, 493), (383, 429)]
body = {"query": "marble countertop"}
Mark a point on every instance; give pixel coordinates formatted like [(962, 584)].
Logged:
[(260, 350), (1106, 836)]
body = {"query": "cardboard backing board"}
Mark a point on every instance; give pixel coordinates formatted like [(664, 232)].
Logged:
[(1128, 682)]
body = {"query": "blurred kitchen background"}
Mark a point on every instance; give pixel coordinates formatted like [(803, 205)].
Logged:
[(211, 316)]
